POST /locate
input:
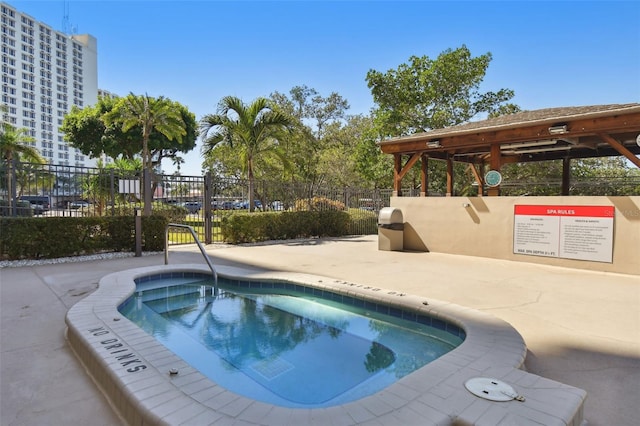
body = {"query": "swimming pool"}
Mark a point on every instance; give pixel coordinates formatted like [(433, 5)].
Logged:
[(283, 343), (147, 383)]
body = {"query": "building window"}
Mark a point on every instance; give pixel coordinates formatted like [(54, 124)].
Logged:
[(9, 31), (7, 11), (27, 21), (8, 21)]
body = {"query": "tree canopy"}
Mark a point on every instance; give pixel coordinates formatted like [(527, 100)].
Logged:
[(426, 94), (98, 129), (14, 147), (314, 119), (249, 130), (430, 93)]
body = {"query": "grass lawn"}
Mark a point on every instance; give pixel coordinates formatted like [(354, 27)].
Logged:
[(177, 235)]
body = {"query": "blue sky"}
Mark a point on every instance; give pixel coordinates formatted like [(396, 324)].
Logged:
[(560, 53)]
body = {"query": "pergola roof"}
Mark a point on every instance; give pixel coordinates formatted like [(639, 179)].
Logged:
[(545, 134)]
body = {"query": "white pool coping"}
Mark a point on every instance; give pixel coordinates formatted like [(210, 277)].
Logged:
[(132, 368)]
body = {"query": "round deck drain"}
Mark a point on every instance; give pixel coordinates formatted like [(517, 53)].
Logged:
[(491, 389)]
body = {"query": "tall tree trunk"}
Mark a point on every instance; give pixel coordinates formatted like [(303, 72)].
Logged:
[(10, 198), (146, 166), (250, 173)]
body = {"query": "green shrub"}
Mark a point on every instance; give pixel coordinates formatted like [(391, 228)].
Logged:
[(122, 232), (253, 227), (52, 237), (318, 204), (153, 232), (363, 222)]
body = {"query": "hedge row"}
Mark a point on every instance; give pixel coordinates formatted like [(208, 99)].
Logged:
[(254, 227), (53, 237)]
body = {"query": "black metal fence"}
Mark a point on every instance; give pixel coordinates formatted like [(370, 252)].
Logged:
[(592, 186), (201, 201)]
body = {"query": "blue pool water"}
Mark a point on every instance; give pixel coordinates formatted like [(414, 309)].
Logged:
[(293, 349)]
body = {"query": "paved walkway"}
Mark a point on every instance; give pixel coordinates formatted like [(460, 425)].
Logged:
[(582, 328)]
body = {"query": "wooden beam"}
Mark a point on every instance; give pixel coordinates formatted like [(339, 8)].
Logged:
[(397, 180), (620, 148), (412, 161), (566, 175), (424, 175), (495, 162), (478, 179), (483, 137), (449, 177), (399, 171)]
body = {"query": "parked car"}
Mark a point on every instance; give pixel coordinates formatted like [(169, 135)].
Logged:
[(223, 205), (192, 206), (81, 204), (243, 205), (38, 208), (39, 203)]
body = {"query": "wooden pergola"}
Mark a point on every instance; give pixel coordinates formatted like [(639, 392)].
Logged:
[(540, 135)]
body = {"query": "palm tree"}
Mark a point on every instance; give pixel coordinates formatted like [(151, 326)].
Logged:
[(150, 114), (177, 161), (13, 147), (251, 130)]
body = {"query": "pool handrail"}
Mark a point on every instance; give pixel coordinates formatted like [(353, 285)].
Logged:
[(200, 246)]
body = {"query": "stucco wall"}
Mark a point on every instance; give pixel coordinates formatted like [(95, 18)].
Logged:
[(483, 226)]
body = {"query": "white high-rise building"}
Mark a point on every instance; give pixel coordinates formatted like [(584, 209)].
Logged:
[(44, 73)]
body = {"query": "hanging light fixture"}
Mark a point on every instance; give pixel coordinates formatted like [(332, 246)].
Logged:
[(558, 130)]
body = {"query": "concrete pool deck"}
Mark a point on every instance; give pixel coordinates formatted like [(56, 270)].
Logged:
[(582, 328)]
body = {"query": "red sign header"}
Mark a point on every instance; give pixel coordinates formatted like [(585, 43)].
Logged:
[(559, 210)]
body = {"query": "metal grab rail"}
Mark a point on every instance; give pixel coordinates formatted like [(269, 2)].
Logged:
[(200, 246)]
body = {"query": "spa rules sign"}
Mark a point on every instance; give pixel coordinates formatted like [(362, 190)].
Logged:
[(570, 232)]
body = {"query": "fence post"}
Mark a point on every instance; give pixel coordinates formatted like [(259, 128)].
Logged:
[(112, 194), (207, 200), (138, 231), (13, 192)]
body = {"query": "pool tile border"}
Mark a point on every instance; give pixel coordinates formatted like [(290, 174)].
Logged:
[(132, 369)]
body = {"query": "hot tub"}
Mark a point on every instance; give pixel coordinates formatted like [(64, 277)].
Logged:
[(148, 383)]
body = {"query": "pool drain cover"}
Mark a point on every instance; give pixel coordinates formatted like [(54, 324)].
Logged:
[(272, 367), (491, 389)]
